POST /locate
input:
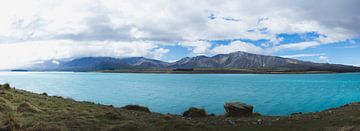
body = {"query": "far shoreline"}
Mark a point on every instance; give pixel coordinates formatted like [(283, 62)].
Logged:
[(202, 71)]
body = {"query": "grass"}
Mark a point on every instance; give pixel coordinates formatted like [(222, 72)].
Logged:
[(42, 112)]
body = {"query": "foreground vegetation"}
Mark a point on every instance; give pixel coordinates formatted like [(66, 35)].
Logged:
[(22, 110)]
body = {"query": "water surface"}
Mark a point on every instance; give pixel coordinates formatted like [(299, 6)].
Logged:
[(270, 94)]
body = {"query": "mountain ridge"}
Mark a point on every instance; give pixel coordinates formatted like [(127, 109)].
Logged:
[(236, 60)]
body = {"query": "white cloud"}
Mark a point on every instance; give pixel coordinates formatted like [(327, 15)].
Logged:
[(237, 46), (204, 47), (197, 47), (324, 59), (66, 28), (294, 46), (14, 55), (177, 21), (302, 55)]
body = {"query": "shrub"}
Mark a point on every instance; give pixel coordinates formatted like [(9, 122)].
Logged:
[(136, 108), (6, 86)]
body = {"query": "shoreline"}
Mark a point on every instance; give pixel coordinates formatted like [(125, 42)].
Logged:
[(56, 112), (180, 72)]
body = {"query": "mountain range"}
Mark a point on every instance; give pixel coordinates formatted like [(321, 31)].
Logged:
[(235, 60)]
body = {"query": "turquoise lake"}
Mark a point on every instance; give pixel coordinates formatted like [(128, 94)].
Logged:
[(270, 94)]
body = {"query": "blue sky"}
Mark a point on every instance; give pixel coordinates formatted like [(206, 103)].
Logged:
[(344, 52), (320, 31)]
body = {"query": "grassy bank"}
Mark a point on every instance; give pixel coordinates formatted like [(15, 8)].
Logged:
[(22, 110)]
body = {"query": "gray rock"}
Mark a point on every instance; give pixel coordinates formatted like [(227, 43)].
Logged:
[(238, 109)]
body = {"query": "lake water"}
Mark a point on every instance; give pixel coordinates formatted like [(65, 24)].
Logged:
[(270, 94)]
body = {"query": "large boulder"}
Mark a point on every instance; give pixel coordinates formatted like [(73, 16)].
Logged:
[(195, 112), (238, 109), (136, 108)]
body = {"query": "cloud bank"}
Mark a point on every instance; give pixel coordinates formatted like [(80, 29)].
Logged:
[(39, 29)]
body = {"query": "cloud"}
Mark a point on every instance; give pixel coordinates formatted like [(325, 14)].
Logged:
[(324, 59), (237, 46), (302, 55), (169, 21), (295, 46), (15, 55), (197, 47), (204, 47), (120, 28)]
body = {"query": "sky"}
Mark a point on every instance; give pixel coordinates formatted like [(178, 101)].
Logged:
[(326, 31)]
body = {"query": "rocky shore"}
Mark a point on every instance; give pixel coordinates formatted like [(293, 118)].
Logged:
[(22, 110)]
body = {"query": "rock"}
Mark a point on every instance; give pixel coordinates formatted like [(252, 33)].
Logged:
[(136, 108), (195, 112), (238, 109), (229, 121), (296, 113), (27, 107)]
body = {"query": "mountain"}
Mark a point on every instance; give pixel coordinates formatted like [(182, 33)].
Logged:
[(238, 60), (98, 63), (245, 60)]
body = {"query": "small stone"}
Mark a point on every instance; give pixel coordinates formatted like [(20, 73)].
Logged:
[(260, 121), (231, 122)]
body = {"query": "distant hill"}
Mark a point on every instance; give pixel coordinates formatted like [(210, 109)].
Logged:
[(238, 60), (98, 63), (245, 60)]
